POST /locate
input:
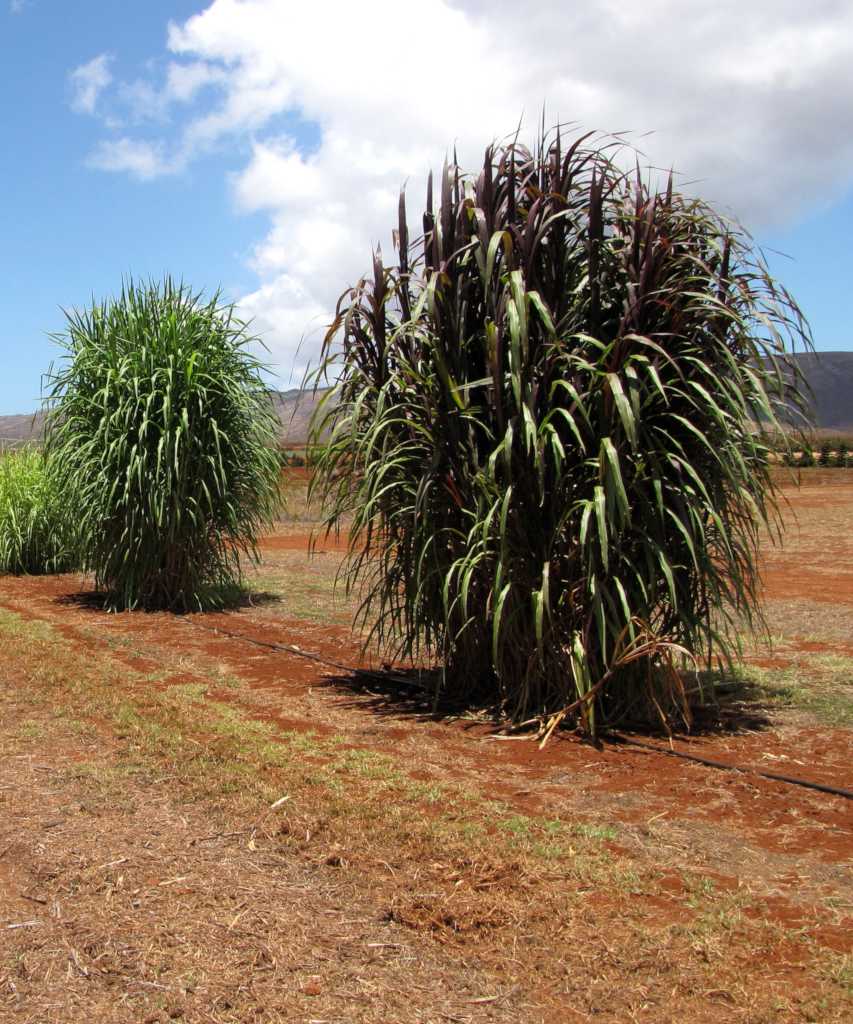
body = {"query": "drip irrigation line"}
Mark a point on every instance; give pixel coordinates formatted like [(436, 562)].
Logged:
[(651, 747), (367, 673), (775, 776)]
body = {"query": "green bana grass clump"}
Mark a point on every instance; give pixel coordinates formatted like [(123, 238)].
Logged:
[(543, 430), (35, 531), (166, 445)]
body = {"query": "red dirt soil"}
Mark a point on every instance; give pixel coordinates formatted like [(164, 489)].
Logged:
[(816, 561), (734, 818), (634, 785)]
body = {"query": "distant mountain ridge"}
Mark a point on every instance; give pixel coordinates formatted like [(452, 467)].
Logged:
[(21, 428), (293, 407), (829, 375)]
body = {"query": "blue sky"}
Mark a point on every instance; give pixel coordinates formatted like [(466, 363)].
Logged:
[(257, 145), (70, 231)]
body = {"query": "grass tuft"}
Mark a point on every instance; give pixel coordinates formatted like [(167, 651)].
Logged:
[(165, 440), (543, 431), (35, 531)]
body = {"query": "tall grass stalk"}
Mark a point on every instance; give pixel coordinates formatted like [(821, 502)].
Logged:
[(35, 530), (549, 427), (166, 443)]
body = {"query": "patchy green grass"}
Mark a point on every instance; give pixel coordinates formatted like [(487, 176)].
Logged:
[(297, 508), (305, 585), (31, 730), (821, 685)]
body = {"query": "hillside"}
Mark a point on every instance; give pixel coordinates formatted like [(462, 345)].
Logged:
[(294, 408), (20, 428), (829, 374)]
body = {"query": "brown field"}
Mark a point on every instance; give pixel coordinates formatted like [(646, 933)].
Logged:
[(194, 827)]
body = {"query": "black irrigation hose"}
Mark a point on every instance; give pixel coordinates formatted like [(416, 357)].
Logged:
[(402, 680), (775, 776), (290, 649)]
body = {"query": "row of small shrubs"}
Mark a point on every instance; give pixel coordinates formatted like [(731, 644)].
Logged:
[(298, 459), (292, 460), (161, 462), (830, 455), (783, 441)]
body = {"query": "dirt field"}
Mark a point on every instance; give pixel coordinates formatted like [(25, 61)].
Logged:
[(195, 827)]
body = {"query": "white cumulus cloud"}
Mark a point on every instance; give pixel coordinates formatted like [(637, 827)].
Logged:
[(753, 101), (142, 160), (185, 81), (88, 81)]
